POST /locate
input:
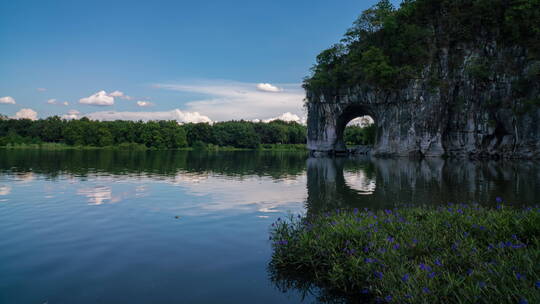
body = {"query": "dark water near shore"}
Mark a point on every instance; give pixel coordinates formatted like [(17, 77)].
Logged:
[(102, 226)]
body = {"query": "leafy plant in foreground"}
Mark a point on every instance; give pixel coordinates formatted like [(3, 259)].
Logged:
[(452, 254)]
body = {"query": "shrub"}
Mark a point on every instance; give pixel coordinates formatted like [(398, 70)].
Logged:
[(451, 254)]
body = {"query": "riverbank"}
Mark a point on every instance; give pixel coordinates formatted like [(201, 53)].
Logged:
[(451, 254), (141, 147)]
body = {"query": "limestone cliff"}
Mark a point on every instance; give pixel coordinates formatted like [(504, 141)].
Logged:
[(478, 98)]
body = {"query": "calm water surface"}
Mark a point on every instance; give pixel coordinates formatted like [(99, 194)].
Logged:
[(192, 227)]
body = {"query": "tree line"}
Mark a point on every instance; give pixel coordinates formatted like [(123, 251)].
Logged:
[(151, 134), (357, 135)]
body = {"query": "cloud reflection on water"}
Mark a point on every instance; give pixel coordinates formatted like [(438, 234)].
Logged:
[(358, 180), (5, 190), (263, 194), (97, 195)]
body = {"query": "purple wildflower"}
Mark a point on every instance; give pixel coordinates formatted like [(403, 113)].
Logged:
[(425, 290), (396, 246), (498, 200), (520, 276), (481, 284), (379, 275), (523, 301), (405, 278), (390, 239), (432, 275), (469, 271), (282, 242), (438, 262), (537, 284), (425, 267), (355, 210), (388, 298), (364, 291), (369, 260)]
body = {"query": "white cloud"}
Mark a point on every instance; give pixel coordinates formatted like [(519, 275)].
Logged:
[(54, 101), (236, 100), (176, 114), (120, 94), (116, 94), (26, 114), (267, 87), (41, 89), (363, 121), (72, 114), (141, 103), (285, 117), (7, 99), (98, 99)]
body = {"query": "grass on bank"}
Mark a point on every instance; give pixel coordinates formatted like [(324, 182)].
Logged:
[(451, 254)]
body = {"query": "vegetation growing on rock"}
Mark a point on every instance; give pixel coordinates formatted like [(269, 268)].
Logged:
[(386, 47)]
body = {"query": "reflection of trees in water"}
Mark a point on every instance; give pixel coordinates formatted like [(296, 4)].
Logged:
[(332, 182), (165, 163), (384, 183), (428, 181)]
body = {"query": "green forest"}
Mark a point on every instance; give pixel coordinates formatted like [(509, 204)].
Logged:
[(387, 46), (152, 134), (164, 134)]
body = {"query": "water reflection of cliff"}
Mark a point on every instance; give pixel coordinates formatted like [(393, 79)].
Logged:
[(331, 182), (382, 183)]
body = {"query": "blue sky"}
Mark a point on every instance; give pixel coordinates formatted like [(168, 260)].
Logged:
[(169, 59)]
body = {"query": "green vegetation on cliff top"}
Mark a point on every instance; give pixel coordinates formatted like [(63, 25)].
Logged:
[(386, 46)]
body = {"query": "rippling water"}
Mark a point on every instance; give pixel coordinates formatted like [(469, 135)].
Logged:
[(191, 227)]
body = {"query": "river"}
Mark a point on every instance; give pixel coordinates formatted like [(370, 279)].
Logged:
[(101, 226)]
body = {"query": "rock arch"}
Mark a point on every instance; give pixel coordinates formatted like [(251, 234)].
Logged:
[(417, 121)]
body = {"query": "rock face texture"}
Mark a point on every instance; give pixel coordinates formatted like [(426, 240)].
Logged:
[(476, 100)]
